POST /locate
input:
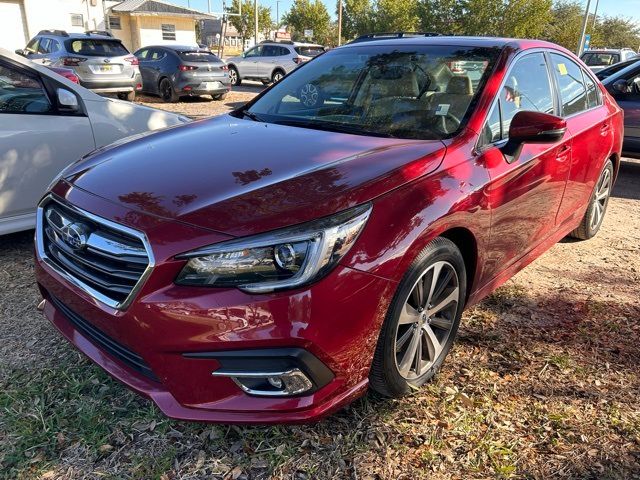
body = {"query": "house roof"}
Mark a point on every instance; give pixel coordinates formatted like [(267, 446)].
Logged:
[(157, 7)]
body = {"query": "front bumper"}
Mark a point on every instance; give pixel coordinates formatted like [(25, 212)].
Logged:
[(179, 333)]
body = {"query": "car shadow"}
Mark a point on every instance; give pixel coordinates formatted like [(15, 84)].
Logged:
[(628, 181)]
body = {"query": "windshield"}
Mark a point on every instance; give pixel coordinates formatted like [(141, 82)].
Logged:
[(598, 59), (417, 92), (198, 56), (96, 48)]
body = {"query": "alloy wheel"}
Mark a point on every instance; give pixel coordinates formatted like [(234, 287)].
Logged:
[(277, 77), (165, 90), (603, 189), (427, 320), (233, 76)]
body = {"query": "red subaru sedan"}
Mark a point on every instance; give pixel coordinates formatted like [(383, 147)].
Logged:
[(271, 264)]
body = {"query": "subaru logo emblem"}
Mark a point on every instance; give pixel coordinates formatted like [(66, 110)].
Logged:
[(106, 60), (75, 235)]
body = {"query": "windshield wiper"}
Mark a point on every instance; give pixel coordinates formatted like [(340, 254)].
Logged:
[(332, 127), (252, 116)]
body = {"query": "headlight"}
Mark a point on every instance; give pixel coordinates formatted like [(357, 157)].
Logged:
[(286, 258)]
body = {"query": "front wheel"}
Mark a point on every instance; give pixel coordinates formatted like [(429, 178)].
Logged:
[(220, 96), (422, 321), (277, 76), (593, 217)]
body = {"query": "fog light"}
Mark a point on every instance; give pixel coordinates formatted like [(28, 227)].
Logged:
[(269, 384)]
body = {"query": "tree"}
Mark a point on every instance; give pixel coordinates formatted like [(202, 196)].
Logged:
[(526, 18), (441, 16), (616, 32), (244, 23), (309, 15), (396, 15), (358, 18)]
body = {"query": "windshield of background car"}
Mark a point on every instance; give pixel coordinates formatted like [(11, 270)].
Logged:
[(198, 56), (96, 48), (595, 59), (408, 91)]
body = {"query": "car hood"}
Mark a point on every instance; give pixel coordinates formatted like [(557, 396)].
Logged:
[(241, 177)]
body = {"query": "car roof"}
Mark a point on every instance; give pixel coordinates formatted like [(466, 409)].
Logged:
[(458, 40)]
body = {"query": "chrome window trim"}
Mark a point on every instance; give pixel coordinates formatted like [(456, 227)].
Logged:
[(77, 282)]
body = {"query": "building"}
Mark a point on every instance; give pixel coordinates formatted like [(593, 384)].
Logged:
[(135, 22), (151, 22)]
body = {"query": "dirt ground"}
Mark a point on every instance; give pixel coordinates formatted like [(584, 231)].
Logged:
[(542, 383)]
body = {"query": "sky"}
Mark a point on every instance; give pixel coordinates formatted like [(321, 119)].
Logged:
[(627, 8)]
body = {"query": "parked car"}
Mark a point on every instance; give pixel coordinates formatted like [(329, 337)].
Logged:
[(600, 59), (102, 63), (270, 61), (230, 280), (624, 86), (172, 71), (48, 122)]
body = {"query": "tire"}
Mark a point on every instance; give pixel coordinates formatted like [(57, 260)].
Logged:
[(277, 76), (167, 93), (394, 370), (128, 96), (220, 96), (598, 202), (265, 82), (234, 76)]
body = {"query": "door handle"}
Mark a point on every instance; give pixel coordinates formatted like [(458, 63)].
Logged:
[(604, 129), (563, 153)]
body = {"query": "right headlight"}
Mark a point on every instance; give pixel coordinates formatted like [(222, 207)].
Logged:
[(286, 258)]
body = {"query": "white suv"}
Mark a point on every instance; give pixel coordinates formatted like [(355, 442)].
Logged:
[(270, 61)]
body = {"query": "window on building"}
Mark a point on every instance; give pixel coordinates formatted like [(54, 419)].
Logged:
[(77, 20), (168, 31), (114, 22)]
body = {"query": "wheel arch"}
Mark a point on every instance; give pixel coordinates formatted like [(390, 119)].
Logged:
[(615, 159), (278, 69), (466, 242)]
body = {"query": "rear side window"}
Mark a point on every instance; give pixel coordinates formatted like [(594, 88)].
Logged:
[(593, 99), (21, 92), (90, 47), (595, 59), (198, 56), (309, 51), (571, 84)]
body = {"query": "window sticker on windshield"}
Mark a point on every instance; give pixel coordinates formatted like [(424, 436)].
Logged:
[(562, 68), (442, 109)]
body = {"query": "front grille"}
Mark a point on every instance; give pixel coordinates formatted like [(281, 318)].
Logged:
[(106, 260), (100, 339)]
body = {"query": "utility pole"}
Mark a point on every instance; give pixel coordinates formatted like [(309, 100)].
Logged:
[(255, 18), (584, 28), (209, 6), (339, 22), (595, 15), (278, 14)]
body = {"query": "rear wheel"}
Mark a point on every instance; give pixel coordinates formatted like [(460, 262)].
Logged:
[(129, 96), (277, 76), (422, 321), (220, 96), (234, 76), (593, 217), (167, 93)]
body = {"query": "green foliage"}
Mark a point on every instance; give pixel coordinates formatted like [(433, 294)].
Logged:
[(244, 24), (310, 15), (357, 17), (396, 15)]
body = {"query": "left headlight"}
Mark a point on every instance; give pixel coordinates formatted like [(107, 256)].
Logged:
[(286, 258)]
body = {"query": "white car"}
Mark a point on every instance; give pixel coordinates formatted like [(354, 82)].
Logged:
[(48, 122)]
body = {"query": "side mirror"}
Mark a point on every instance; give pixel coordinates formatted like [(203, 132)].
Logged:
[(67, 101), (533, 127), (620, 86), (20, 52)]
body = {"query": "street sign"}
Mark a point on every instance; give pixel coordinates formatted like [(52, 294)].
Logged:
[(308, 33), (587, 41)]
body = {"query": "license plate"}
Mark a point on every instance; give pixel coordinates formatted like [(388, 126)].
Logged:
[(106, 68), (211, 85)]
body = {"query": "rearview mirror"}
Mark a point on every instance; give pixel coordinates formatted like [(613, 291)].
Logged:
[(67, 101), (620, 86), (533, 127)]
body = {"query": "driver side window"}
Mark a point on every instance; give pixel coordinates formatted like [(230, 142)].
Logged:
[(527, 88), (21, 92), (254, 52)]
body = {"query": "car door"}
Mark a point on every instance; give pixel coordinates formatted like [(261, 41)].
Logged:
[(42, 54), (145, 70), (629, 101), (37, 140), (248, 67), (590, 128), (525, 190), (267, 61)]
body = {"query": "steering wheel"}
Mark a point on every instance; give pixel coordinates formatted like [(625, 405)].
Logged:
[(442, 124)]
